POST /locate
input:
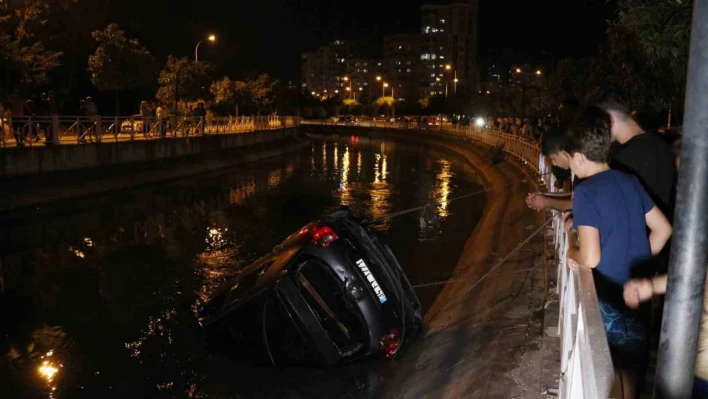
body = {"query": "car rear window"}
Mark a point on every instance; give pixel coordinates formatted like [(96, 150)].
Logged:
[(337, 313)]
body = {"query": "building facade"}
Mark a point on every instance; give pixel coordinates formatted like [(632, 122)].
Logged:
[(449, 48), (402, 65), (322, 70)]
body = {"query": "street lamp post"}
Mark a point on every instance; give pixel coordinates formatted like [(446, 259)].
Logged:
[(211, 38), (385, 85), (448, 67), (349, 89)]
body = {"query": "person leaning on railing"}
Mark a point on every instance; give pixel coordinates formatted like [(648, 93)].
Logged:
[(612, 212), (551, 148)]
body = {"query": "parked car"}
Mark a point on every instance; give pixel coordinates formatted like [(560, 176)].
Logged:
[(132, 126), (330, 293)]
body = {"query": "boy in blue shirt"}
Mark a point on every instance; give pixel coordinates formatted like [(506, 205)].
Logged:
[(612, 212)]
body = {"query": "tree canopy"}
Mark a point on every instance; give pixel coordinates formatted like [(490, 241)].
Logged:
[(23, 52), (119, 63), (192, 80)]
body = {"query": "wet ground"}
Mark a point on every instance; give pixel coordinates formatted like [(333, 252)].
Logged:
[(98, 294)]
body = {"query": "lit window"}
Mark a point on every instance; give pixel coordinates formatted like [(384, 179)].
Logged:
[(442, 21), (379, 64), (408, 63), (400, 47), (441, 74), (426, 29), (433, 56), (425, 56), (366, 84), (399, 70), (432, 75), (364, 70), (442, 57), (407, 70)]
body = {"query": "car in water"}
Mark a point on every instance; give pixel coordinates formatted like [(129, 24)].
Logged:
[(331, 293)]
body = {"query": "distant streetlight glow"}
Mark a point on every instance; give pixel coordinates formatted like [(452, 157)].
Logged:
[(313, 93), (212, 38), (378, 78), (448, 67), (336, 91), (345, 79), (385, 84), (479, 122), (518, 70), (538, 72)]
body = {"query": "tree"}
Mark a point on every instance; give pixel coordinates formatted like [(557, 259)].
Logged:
[(260, 91), (119, 63), (648, 48), (184, 80), (24, 57), (225, 94)]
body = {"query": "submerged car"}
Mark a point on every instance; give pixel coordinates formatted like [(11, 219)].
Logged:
[(330, 293)]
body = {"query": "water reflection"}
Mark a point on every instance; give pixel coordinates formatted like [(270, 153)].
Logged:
[(442, 189), (122, 274)]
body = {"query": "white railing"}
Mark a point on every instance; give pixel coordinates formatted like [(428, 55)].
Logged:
[(586, 366), (63, 129)]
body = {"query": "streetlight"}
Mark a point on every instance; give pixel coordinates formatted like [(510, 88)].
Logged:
[(538, 72), (385, 85), (518, 70), (211, 38)]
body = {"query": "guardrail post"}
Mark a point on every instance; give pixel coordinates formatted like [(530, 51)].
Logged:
[(689, 252)]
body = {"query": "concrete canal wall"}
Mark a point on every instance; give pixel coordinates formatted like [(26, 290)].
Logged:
[(33, 176), (41, 159)]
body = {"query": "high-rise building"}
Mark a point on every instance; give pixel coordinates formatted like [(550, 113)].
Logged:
[(449, 47), (322, 70), (360, 77), (402, 65)]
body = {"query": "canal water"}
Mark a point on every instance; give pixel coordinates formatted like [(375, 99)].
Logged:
[(98, 294)]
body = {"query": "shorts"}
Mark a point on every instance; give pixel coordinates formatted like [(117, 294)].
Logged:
[(627, 335)]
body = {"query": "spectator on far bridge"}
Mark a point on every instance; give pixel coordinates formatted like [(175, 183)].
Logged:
[(145, 113), (161, 114), (612, 214), (200, 114)]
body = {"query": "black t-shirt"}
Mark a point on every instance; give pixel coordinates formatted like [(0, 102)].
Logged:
[(650, 159)]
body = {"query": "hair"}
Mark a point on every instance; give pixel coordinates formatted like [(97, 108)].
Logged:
[(590, 135), (552, 141), (609, 99)]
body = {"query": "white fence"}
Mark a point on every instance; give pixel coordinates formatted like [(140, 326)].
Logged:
[(586, 367)]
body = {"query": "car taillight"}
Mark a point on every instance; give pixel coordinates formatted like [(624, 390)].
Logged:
[(389, 343), (324, 236)]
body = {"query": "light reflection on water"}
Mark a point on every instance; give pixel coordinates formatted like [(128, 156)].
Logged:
[(125, 283)]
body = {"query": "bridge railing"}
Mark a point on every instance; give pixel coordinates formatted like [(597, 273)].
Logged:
[(586, 366), (63, 129)]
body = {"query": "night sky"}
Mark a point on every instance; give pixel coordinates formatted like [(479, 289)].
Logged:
[(269, 35)]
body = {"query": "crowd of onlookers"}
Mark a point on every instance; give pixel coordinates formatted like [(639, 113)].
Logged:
[(528, 128), (620, 181)]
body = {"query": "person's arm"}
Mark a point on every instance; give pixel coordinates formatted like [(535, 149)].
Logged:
[(540, 201), (660, 230), (640, 290), (588, 252)]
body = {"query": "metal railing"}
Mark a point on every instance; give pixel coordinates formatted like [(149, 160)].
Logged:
[(34, 130), (586, 366)]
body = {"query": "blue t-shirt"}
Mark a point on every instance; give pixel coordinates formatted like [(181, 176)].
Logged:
[(615, 203)]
